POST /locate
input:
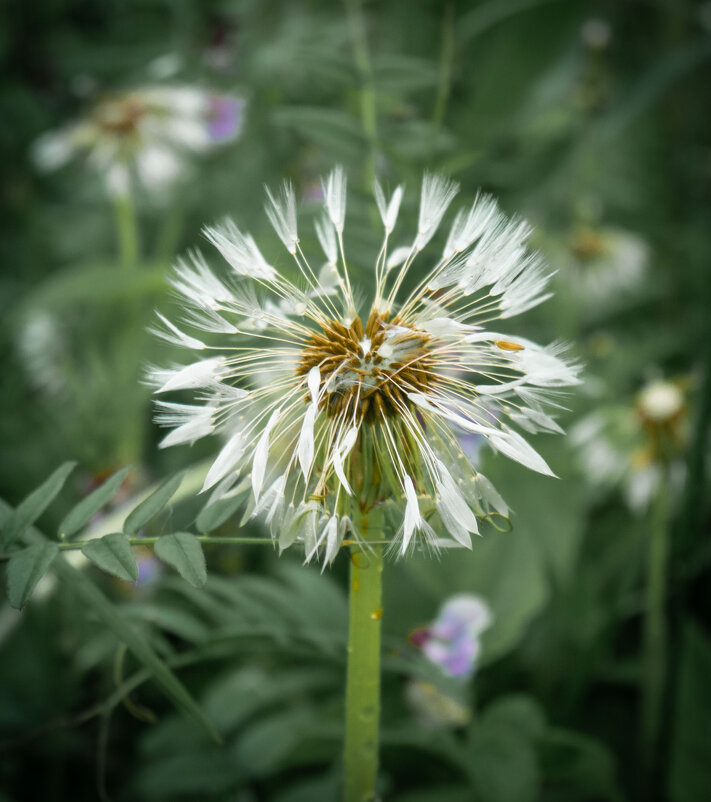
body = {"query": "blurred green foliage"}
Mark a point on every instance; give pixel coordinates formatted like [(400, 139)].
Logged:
[(578, 115)]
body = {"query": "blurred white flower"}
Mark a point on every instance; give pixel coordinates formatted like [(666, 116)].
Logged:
[(41, 346), (596, 33), (328, 414), (145, 134), (601, 264), (636, 446)]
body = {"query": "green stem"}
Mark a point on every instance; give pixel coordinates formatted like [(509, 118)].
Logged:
[(445, 78), (126, 230), (368, 109), (363, 672), (75, 545), (655, 628)]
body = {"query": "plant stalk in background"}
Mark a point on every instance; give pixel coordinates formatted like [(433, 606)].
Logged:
[(655, 626), (126, 230)]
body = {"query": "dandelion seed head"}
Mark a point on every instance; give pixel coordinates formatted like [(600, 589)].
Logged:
[(334, 401)]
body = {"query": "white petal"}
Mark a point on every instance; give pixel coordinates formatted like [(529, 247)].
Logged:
[(54, 150), (488, 493), (118, 180), (470, 225), (191, 421), (388, 211), (314, 381), (398, 256), (225, 461), (306, 441), (179, 337), (335, 194), (261, 454), (445, 327), (437, 194), (340, 453), (327, 238), (158, 166), (199, 374), (454, 510), (412, 513), (514, 446), (282, 215), (272, 500), (431, 404), (240, 250), (333, 540)]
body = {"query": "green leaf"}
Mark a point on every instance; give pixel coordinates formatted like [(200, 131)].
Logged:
[(151, 506), (213, 515), (113, 554), (183, 552), (503, 765), (266, 746), (34, 505), (87, 508), (26, 568), (519, 713), (579, 767), (107, 613)]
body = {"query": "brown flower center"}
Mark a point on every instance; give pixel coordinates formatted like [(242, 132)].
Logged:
[(120, 117), (368, 371)]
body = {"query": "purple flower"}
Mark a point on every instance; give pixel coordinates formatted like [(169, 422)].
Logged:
[(226, 117), (452, 641)]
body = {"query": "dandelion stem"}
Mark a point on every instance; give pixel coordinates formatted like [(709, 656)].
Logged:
[(655, 628), (363, 671), (126, 230)]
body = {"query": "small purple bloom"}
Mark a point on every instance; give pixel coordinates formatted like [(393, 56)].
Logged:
[(226, 117), (452, 641), (149, 568)]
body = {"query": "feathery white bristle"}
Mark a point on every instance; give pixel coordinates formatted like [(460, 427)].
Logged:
[(334, 191), (281, 212), (437, 193)]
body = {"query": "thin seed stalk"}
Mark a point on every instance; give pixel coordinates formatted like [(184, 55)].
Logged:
[(363, 669), (655, 628), (126, 230)]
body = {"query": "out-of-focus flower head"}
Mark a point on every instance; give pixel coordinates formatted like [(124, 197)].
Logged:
[(596, 33), (145, 134), (637, 445), (452, 641), (434, 708), (601, 264)]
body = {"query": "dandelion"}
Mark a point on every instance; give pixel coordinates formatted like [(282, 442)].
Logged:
[(341, 422), (638, 446), (144, 134), (328, 412)]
